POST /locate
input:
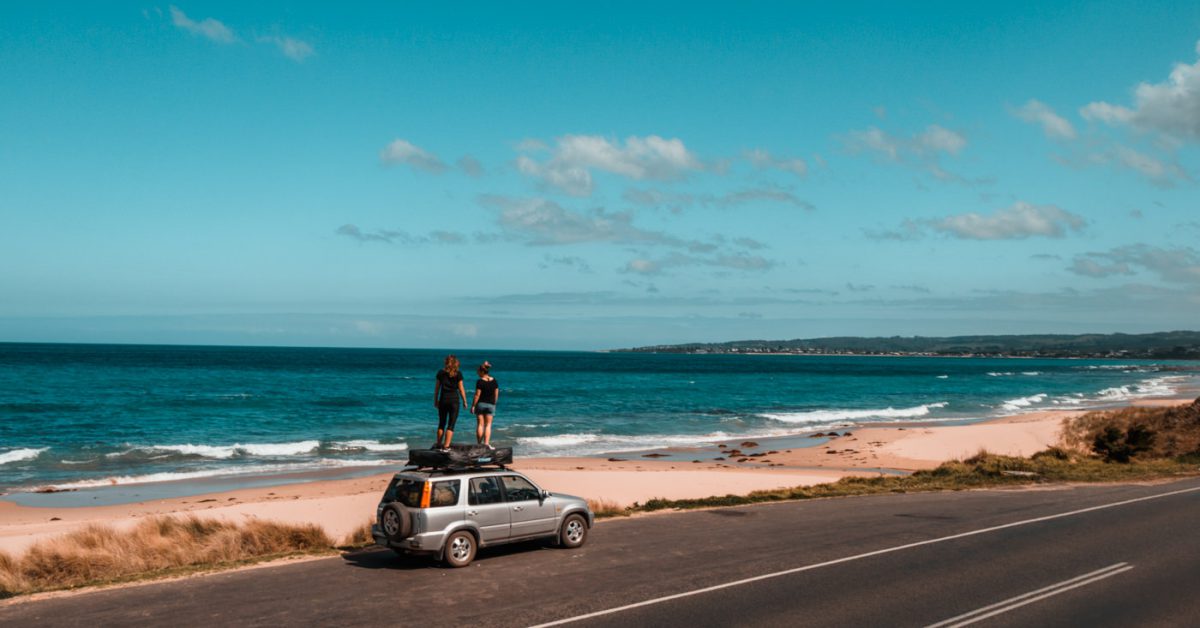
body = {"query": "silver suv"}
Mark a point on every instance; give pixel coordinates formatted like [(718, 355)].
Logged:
[(451, 513)]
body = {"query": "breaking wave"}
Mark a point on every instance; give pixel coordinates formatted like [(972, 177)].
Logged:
[(833, 416), (121, 480), (20, 455), (1023, 402), (225, 452)]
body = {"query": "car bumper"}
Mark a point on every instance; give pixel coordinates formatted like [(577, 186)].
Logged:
[(428, 542)]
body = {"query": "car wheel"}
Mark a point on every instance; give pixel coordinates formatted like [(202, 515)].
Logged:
[(460, 549), (574, 532), (395, 522)]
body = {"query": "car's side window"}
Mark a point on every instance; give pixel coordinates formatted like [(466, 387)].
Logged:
[(444, 493), (517, 489), (485, 491)]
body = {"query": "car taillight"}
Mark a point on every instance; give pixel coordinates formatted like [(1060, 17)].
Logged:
[(425, 495)]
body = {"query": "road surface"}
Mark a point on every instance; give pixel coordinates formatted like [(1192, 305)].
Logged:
[(1116, 555)]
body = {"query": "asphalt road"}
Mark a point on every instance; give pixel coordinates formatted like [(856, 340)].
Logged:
[(1000, 557)]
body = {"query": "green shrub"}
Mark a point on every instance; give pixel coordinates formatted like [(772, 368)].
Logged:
[(1117, 446)]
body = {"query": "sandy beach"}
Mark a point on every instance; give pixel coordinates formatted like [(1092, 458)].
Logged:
[(737, 467)]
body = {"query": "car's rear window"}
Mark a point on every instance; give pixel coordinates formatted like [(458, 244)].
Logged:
[(407, 491)]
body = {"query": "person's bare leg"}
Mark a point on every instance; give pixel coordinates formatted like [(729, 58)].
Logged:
[(487, 429), (449, 437), (479, 428), (438, 444)]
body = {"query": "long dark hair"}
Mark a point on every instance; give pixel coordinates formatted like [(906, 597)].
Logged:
[(484, 368), (451, 365)]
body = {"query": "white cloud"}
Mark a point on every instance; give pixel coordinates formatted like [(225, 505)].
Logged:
[(402, 151), (471, 166), (735, 198), (1104, 112), (1178, 265), (572, 179), (575, 156), (540, 221), (393, 236), (208, 27), (1171, 108), (1018, 221), (734, 261), (764, 160), (1105, 152), (294, 49), (923, 150), (938, 139), (1053, 125)]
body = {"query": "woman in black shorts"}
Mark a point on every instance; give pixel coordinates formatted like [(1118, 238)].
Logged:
[(487, 393), (446, 393)]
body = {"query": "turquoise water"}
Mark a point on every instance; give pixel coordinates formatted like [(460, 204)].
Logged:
[(97, 415)]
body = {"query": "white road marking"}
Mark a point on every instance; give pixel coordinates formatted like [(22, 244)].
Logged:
[(1031, 597), (838, 561)]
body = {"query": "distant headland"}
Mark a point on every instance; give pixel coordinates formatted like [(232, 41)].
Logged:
[(1172, 345)]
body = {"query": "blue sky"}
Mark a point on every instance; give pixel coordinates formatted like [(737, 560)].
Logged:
[(563, 176)]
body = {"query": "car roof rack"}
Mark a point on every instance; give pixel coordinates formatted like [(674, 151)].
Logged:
[(460, 458)]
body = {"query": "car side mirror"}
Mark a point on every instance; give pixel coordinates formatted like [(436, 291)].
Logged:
[(543, 495)]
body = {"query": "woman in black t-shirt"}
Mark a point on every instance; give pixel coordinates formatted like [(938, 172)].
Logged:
[(446, 393), (487, 393)]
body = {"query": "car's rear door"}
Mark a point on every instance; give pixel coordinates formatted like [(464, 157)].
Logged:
[(487, 509), (531, 516)]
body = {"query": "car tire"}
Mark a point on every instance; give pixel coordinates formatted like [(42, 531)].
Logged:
[(460, 549), (574, 531), (395, 522)]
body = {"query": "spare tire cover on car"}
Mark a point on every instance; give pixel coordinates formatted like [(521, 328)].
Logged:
[(395, 522)]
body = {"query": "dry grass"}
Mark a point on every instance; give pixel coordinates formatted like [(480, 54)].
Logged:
[(360, 537), (1176, 429), (100, 554), (604, 508)]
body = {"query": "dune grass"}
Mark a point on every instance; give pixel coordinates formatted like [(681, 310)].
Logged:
[(359, 537), (604, 508), (155, 547)]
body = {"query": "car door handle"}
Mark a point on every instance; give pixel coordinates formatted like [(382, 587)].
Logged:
[(472, 513), (518, 508)]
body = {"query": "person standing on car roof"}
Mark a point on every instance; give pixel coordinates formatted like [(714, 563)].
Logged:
[(487, 393), (446, 394)]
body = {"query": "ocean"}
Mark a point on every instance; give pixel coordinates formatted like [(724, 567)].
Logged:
[(75, 416)]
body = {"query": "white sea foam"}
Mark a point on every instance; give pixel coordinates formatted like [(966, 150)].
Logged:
[(1024, 402), (21, 455), (1070, 400), (1108, 367), (943, 377), (592, 443), (1154, 387), (559, 440), (999, 374), (121, 480), (224, 452), (369, 445), (841, 415), (1031, 372)]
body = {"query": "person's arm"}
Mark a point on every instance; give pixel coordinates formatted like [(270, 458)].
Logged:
[(437, 388), (462, 392), (496, 401), (476, 399)]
